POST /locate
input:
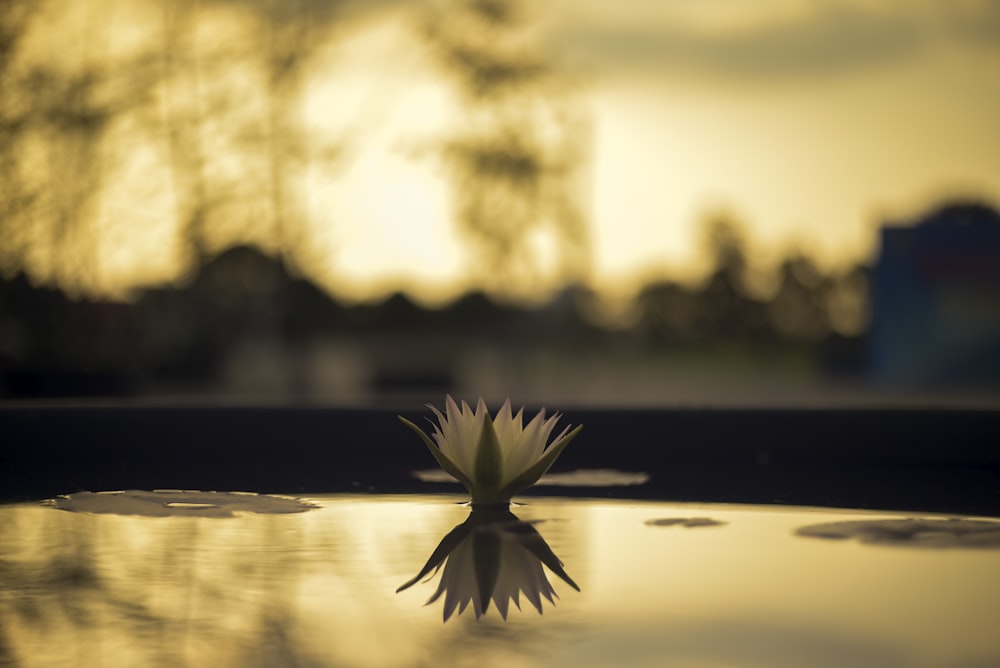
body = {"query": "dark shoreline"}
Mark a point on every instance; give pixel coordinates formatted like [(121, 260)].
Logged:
[(932, 460)]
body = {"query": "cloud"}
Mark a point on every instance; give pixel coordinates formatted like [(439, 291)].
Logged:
[(830, 37)]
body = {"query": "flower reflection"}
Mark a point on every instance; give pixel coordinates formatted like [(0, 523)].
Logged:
[(494, 458), (492, 556)]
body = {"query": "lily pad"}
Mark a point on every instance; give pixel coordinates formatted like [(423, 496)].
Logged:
[(179, 503), (911, 532), (686, 522)]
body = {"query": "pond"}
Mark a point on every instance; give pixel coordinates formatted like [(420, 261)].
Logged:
[(186, 579)]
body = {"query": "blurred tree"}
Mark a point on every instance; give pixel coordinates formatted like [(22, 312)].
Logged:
[(848, 303), (16, 195), (219, 118), (75, 115), (805, 305), (292, 31), (208, 120), (184, 105), (798, 310), (55, 114), (668, 312), (727, 309), (515, 165)]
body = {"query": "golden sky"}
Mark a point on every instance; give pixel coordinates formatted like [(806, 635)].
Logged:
[(809, 122)]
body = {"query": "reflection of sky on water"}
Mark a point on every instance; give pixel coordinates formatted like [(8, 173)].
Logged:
[(318, 589)]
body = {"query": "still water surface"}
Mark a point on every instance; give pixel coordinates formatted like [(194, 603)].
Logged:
[(660, 585)]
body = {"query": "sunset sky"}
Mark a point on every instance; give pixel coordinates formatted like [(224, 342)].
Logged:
[(809, 122)]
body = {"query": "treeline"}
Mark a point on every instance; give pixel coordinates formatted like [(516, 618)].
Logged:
[(51, 344), (795, 302)]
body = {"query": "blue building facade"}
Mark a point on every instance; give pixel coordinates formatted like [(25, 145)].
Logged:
[(936, 300)]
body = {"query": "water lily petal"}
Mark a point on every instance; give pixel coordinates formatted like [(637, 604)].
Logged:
[(503, 423), (507, 585), (442, 459), (447, 431), (531, 476), (532, 541), (526, 568), (545, 430), (466, 426), (493, 457), (458, 580), (487, 556), (488, 474), (526, 450), (448, 544)]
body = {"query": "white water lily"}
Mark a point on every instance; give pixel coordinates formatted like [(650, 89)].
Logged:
[(494, 458), (492, 556)]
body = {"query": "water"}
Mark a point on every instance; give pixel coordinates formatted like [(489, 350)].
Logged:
[(660, 584)]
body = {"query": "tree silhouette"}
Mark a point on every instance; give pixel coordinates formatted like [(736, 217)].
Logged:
[(52, 122), (514, 164)]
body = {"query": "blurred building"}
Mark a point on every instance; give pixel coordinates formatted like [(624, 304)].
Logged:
[(936, 299)]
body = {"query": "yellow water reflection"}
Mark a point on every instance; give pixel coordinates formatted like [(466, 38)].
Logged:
[(318, 589)]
